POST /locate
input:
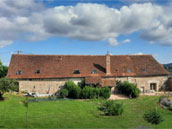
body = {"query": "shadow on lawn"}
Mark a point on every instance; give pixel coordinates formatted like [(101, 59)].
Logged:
[(4, 99), (2, 126)]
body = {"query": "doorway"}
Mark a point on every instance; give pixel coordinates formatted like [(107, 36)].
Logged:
[(153, 86), (142, 89)]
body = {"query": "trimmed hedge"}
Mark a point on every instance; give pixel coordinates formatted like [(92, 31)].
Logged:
[(88, 92), (91, 92), (105, 92), (128, 89)]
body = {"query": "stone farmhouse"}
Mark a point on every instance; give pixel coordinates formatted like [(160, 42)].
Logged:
[(47, 74)]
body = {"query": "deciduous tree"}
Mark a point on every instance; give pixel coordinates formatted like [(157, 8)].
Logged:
[(3, 70)]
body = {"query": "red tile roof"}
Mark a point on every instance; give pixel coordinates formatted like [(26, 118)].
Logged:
[(59, 66), (93, 80)]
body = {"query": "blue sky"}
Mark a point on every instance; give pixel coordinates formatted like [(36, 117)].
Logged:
[(86, 27)]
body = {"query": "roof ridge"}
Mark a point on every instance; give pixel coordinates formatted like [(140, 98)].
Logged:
[(73, 55)]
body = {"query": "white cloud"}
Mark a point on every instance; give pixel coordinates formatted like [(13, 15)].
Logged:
[(126, 41), (113, 42), (139, 53), (5, 43), (90, 22)]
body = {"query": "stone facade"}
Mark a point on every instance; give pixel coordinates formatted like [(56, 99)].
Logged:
[(44, 86), (144, 83), (51, 86)]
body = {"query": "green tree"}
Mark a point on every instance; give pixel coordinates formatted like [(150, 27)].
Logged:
[(7, 85), (26, 104), (3, 70)]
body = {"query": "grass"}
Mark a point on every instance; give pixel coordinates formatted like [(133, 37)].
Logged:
[(78, 114)]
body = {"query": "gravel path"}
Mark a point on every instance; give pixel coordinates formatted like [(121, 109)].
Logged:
[(118, 97)]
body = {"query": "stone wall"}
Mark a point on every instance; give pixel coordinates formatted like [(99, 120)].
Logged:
[(50, 86), (44, 86), (144, 82)]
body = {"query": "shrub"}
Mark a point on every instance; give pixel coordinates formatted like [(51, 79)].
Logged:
[(169, 108), (90, 92), (153, 117), (81, 84), (128, 89), (74, 91), (105, 92), (85, 92), (111, 108), (63, 93), (97, 92), (7, 85)]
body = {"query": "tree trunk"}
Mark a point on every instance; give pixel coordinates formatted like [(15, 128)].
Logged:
[(1, 96), (27, 118)]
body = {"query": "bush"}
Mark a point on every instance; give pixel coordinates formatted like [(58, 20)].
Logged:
[(81, 84), (63, 93), (7, 85), (90, 92), (97, 92), (153, 117), (111, 108), (128, 89), (74, 91), (105, 92), (86, 92)]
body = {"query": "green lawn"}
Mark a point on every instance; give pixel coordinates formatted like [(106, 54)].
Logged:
[(77, 114)]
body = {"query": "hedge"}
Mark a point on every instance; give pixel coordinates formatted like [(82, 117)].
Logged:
[(87, 92)]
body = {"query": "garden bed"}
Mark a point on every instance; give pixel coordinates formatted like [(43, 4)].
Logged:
[(166, 102)]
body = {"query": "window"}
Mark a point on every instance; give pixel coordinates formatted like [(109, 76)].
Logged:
[(128, 70), (38, 71), (153, 86), (94, 71), (19, 72), (76, 71), (143, 70)]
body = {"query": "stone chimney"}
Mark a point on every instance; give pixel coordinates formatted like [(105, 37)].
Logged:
[(18, 52), (108, 63)]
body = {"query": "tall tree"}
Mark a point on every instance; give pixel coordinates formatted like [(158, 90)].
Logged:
[(3, 70)]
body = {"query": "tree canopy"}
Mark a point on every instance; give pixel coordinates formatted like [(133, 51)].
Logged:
[(3, 70), (7, 85)]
